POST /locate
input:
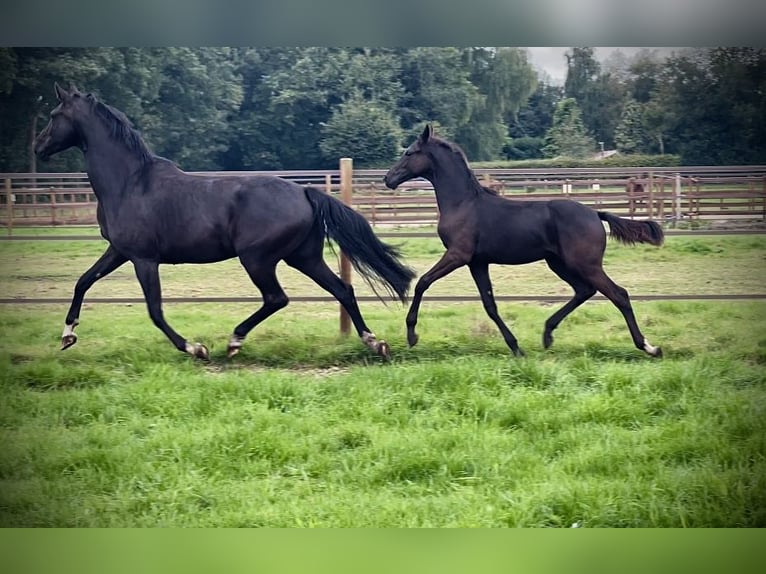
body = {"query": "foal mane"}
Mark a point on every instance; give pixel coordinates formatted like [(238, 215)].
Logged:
[(457, 150), (120, 128)]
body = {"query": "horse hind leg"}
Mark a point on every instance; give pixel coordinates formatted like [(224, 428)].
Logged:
[(274, 298), (583, 291), (317, 270), (619, 296)]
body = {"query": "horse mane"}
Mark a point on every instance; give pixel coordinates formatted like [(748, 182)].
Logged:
[(457, 150), (120, 128)]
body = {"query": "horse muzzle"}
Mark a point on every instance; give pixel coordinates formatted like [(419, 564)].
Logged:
[(41, 150), (390, 182)]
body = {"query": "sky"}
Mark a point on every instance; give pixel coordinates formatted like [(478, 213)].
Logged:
[(552, 60)]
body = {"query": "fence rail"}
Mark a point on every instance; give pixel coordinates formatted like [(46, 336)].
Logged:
[(659, 193)]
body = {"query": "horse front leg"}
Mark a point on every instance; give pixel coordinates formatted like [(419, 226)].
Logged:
[(148, 276), (450, 261), (108, 262), (480, 274)]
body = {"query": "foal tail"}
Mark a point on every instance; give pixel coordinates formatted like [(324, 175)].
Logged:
[(376, 261), (630, 231)]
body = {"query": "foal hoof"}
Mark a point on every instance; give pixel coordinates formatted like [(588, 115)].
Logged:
[(412, 339), (198, 351), (518, 352), (658, 353), (384, 350), (547, 340), (68, 340)]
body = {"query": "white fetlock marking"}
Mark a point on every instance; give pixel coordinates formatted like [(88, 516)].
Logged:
[(235, 342), (369, 339), (191, 348), (69, 330), (649, 348)]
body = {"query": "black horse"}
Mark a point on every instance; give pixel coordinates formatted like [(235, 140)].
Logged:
[(151, 212), (478, 228)]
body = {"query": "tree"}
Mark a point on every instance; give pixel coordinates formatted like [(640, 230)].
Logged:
[(363, 130), (197, 92), (631, 135), (436, 88), (528, 128), (505, 80), (568, 136)]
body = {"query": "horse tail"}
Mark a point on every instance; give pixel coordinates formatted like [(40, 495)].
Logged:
[(631, 231), (376, 261)]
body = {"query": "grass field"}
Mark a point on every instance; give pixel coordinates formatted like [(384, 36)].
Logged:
[(306, 428)]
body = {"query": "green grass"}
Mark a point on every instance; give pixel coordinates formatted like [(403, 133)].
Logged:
[(305, 428), (684, 265)]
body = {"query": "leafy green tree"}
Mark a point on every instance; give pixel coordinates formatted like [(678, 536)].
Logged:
[(568, 136), (599, 95), (363, 130), (505, 80), (631, 135), (436, 88), (710, 104), (535, 117), (197, 92)]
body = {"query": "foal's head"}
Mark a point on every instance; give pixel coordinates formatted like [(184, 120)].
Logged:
[(416, 161), (62, 131)]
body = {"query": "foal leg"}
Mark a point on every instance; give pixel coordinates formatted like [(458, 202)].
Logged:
[(148, 276), (264, 277), (480, 274), (316, 269), (582, 292), (107, 263), (450, 261), (621, 300)]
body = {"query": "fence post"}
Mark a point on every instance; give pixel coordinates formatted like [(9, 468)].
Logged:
[(677, 198), (53, 206), (651, 195), (9, 205), (346, 192)]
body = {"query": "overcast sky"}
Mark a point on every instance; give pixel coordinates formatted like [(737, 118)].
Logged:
[(552, 60)]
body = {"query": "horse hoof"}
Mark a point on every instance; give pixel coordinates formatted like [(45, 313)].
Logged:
[(518, 352), (658, 353), (233, 351), (198, 351), (384, 350), (68, 340), (412, 339), (547, 340)]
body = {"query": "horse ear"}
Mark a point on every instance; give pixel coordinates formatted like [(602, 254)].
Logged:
[(61, 93), (427, 133)]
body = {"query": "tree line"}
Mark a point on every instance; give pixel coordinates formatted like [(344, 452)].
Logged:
[(271, 108)]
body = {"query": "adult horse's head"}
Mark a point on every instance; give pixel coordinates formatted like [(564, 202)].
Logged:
[(414, 163), (62, 131)]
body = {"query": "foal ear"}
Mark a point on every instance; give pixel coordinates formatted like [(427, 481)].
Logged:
[(61, 93), (427, 133)]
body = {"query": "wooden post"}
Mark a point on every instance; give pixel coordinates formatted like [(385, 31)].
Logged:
[(328, 183), (677, 199), (9, 205), (53, 206), (650, 201), (346, 192)]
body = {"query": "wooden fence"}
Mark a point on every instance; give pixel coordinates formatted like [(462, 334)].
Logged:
[(663, 193)]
